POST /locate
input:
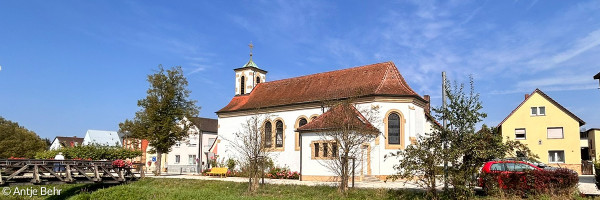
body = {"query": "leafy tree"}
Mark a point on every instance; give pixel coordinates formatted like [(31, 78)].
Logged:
[(466, 149), (17, 141), (161, 119)]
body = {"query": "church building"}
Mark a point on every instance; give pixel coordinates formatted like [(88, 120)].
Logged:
[(295, 105)]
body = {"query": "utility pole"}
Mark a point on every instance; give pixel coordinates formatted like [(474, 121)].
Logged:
[(444, 139)]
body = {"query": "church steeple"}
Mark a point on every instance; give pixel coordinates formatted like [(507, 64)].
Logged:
[(248, 76)]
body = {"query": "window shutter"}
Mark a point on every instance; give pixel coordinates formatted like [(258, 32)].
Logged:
[(554, 133)]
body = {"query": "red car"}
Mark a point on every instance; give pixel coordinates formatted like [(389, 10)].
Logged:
[(504, 167)]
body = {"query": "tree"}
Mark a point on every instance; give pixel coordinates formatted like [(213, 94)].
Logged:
[(249, 145), (347, 129), (466, 150), (161, 119), (17, 141)]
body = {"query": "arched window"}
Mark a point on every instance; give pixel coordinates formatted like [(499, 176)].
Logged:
[(243, 85), (268, 136), (313, 117), (257, 80), (302, 122), (279, 134), (393, 128)]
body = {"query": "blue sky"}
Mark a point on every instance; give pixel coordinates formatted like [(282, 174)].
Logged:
[(70, 66)]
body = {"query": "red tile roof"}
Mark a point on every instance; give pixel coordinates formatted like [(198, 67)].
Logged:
[(581, 122), (337, 117), (381, 79)]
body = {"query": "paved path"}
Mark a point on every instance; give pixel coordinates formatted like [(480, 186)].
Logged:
[(380, 184), (587, 185)]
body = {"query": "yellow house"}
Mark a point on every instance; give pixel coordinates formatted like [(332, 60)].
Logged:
[(547, 128), (594, 141)]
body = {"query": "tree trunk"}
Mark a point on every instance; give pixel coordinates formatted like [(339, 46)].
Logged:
[(158, 162), (344, 176), (254, 177)]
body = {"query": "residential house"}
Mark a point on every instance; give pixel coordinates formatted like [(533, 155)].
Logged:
[(185, 156), (295, 102), (103, 138), (61, 142), (547, 128), (594, 140)]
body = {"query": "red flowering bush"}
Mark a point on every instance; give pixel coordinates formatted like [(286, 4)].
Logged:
[(282, 173), (121, 163), (561, 181)]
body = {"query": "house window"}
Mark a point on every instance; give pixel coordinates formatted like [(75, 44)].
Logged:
[(538, 111), (520, 134), (191, 159), (268, 135), (243, 85), (279, 134), (556, 156), (324, 150), (257, 80), (393, 129), (555, 133), (302, 122), (177, 159), (177, 144)]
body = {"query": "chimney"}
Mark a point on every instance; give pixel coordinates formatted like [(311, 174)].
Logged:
[(526, 96), (428, 105)]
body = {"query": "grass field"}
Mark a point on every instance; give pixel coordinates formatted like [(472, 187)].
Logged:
[(151, 188)]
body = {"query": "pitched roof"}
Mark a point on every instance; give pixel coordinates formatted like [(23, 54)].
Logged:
[(66, 141), (581, 122), (340, 115), (205, 124), (110, 138), (381, 79)]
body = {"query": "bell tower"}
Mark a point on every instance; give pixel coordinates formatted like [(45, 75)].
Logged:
[(248, 76)]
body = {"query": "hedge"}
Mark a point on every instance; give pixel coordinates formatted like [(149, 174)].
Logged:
[(534, 182), (92, 152)]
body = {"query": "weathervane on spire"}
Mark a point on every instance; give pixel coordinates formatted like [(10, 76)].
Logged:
[(251, 46)]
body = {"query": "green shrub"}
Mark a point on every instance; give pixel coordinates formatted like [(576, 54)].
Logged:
[(231, 164), (93, 152)]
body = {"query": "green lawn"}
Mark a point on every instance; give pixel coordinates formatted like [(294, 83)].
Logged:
[(151, 188)]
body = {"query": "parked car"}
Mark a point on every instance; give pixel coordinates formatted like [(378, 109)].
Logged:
[(504, 167)]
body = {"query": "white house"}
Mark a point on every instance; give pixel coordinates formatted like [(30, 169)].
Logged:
[(61, 142), (184, 156), (294, 102), (103, 138)]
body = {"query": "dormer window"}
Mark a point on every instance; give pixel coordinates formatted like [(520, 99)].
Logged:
[(257, 80), (538, 111)]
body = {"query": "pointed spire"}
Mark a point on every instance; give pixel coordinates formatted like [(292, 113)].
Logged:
[(250, 63)]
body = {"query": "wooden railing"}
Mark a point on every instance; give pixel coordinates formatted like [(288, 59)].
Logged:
[(35, 171)]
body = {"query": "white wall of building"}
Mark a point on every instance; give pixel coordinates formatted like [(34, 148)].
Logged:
[(416, 124)]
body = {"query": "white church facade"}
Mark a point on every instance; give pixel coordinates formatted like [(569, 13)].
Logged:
[(295, 102)]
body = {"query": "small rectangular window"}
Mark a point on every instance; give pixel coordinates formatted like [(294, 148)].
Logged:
[(334, 149), (555, 133), (556, 156), (177, 159), (533, 110), (316, 150), (542, 110), (325, 150), (191, 159), (520, 134)]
